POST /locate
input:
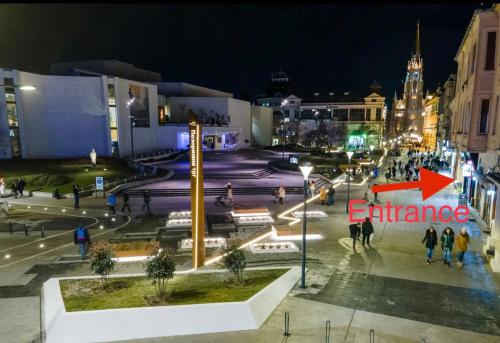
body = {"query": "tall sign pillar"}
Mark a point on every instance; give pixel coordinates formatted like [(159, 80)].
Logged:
[(197, 194)]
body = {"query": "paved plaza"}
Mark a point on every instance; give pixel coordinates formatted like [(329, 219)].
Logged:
[(388, 288)]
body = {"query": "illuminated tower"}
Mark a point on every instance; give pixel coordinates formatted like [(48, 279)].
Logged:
[(413, 91)]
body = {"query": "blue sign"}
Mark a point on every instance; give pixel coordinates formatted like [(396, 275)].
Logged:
[(99, 183)]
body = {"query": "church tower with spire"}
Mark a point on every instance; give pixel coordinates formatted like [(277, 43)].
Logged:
[(407, 111), (413, 90)]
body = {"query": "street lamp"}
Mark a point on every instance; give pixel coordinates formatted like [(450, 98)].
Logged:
[(283, 128), (132, 122), (306, 169), (349, 155)]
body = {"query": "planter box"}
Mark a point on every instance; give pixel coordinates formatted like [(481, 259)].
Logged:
[(159, 321)]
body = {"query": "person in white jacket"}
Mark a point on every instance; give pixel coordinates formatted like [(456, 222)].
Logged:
[(281, 194), (2, 188)]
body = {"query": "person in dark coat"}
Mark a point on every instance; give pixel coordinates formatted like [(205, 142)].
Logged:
[(76, 196), (147, 200), (82, 238), (430, 241), (354, 231), (447, 240), (125, 202), (367, 230)]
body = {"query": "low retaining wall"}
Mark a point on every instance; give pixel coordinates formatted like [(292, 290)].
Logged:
[(159, 321)]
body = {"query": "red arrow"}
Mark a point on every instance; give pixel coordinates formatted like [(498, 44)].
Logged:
[(429, 183)]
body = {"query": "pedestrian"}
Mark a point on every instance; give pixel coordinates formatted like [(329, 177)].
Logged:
[(375, 194), (76, 196), (447, 245), (461, 243), (430, 240), (394, 172), (20, 186), (354, 230), (147, 199), (312, 188), (275, 194), (331, 197), (281, 194), (82, 238), (125, 202), (367, 230), (229, 193), (388, 176), (14, 189), (2, 188), (112, 202), (322, 195)]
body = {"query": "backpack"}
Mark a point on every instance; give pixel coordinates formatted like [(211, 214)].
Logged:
[(80, 234)]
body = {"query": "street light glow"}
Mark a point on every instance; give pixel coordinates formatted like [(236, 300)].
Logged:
[(306, 169), (27, 88)]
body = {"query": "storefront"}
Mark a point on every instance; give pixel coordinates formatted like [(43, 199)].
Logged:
[(483, 190)]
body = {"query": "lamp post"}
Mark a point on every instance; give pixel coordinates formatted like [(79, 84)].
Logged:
[(349, 155), (316, 113), (283, 128), (306, 169), (132, 122)]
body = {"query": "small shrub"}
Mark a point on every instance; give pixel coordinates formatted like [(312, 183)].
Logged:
[(101, 262), (58, 180), (235, 260), (160, 268)]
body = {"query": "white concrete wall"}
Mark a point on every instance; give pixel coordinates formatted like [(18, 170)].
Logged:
[(241, 117), (159, 321), (262, 126), (65, 116)]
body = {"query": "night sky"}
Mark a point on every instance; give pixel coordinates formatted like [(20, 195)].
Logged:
[(235, 48)]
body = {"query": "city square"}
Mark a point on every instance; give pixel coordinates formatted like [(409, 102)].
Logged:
[(142, 199)]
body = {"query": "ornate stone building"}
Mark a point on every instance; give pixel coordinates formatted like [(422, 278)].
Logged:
[(406, 117)]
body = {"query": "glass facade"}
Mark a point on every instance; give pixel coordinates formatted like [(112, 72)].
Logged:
[(10, 97), (113, 125)]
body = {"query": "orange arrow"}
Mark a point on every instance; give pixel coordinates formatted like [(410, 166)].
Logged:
[(429, 183)]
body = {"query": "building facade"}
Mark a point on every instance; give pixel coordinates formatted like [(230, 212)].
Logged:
[(430, 120), (54, 116), (474, 124), (444, 120), (407, 112)]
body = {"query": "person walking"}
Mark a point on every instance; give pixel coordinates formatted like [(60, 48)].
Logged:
[(2, 188), (461, 242), (14, 189), (393, 169), (229, 193), (447, 245), (367, 230), (375, 194), (147, 200), (20, 184), (312, 188), (76, 196), (430, 241), (112, 202), (322, 195), (82, 238), (354, 230), (126, 205), (281, 194), (331, 197)]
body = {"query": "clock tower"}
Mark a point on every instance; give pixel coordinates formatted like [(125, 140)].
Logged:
[(413, 97)]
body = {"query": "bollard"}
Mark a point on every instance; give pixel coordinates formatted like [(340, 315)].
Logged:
[(42, 231), (287, 325), (11, 229), (26, 229), (372, 336), (327, 332)]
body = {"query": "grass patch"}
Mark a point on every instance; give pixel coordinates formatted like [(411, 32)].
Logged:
[(87, 294), (47, 175)]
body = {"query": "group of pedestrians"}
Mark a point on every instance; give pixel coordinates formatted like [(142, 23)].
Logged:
[(448, 241), (111, 202), (327, 197), (18, 187), (356, 229)]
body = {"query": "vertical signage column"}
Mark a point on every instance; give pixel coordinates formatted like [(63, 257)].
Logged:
[(197, 195)]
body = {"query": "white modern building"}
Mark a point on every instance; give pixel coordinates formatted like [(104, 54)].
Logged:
[(110, 106)]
